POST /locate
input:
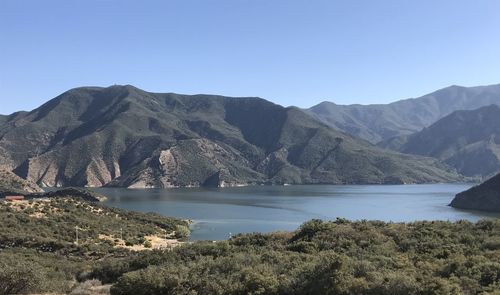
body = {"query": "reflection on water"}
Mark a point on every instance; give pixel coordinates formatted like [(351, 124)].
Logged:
[(219, 212)]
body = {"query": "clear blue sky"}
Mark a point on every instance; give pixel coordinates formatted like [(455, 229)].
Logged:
[(290, 52)]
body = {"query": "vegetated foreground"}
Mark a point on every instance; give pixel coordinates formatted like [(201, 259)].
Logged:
[(39, 254), (45, 244)]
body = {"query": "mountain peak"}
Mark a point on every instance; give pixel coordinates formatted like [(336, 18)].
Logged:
[(124, 86), (377, 123), (455, 86)]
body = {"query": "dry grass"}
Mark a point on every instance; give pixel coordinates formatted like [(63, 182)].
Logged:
[(157, 243)]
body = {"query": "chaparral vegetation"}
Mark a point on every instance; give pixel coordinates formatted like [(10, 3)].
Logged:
[(118, 252)]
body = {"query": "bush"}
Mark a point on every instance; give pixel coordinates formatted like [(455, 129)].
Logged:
[(182, 231), (18, 277), (339, 257)]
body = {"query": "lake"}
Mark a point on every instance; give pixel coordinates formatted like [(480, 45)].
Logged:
[(221, 212)]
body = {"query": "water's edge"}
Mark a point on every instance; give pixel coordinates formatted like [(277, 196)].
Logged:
[(219, 213)]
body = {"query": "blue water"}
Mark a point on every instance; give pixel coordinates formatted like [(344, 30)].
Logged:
[(221, 212)]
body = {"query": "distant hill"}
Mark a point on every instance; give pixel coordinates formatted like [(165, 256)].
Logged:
[(124, 136), (10, 183), (383, 121), (466, 140), (485, 197)]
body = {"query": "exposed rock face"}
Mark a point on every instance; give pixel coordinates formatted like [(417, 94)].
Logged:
[(124, 136), (466, 140), (380, 122), (485, 197), (193, 163), (10, 183), (5, 162)]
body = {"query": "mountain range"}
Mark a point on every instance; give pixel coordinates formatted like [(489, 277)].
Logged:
[(124, 136), (380, 122), (466, 140)]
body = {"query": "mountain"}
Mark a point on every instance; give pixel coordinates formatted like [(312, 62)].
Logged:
[(124, 136), (383, 121), (485, 197), (10, 183), (466, 140)]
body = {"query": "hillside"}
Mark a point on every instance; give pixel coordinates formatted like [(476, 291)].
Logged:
[(48, 244), (466, 140), (10, 183), (383, 121), (124, 136), (30, 224), (485, 197)]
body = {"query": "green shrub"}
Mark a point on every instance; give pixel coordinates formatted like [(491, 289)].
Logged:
[(182, 231)]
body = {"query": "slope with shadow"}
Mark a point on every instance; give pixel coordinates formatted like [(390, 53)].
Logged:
[(124, 136), (484, 197), (383, 121), (11, 184), (466, 140)]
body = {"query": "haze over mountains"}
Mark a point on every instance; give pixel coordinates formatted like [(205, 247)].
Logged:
[(466, 140), (124, 136), (380, 122)]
